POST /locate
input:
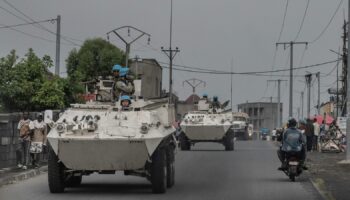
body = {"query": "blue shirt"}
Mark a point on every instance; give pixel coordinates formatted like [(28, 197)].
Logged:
[(292, 140)]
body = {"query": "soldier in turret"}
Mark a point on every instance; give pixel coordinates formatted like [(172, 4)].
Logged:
[(123, 82), (216, 103), (125, 102), (124, 85)]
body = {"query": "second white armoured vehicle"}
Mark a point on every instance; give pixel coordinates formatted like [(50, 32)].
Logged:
[(208, 124), (240, 126)]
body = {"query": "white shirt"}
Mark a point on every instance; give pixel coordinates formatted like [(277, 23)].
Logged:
[(274, 132), (36, 124)]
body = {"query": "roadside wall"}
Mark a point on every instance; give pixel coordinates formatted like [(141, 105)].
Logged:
[(9, 137)]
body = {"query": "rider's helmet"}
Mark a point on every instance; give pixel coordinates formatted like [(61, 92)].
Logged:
[(292, 123)]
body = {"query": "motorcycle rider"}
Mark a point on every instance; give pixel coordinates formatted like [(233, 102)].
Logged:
[(292, 140)]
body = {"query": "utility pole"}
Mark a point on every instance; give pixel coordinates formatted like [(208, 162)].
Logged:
[(171, 53), (291, 44), (194, 83), (302, 104), (231, 84), (308, 78), (348, 95), (279, 116), (58, 45), (272, 115), (319, 93), (128, 43), (344, 71)]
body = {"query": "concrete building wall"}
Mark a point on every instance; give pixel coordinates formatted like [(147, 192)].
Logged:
[(150, 73), (261, 114), (183, 108), (8, 139)]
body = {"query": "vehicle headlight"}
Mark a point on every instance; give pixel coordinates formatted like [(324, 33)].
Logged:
[(144, 128), (60, 127)]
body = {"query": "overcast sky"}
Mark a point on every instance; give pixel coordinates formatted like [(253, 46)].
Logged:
[(209, 34)]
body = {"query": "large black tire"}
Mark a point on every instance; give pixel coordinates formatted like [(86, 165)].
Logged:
[(292, 177), (159, 171), (73, 181), (55, 173), (185, 145), (170, 168), (246, 135), (229, 143)]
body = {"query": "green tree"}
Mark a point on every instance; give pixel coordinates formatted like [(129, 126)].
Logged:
[(24, 84), (50, 95), (95, 58)]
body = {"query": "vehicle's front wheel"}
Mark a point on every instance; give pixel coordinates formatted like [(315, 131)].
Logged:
[(229, 143), (55, 173), (159, 171), (185, 144), (170, 167)]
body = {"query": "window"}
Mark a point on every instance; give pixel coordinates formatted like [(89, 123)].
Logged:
[(261, 111), (255, 111)]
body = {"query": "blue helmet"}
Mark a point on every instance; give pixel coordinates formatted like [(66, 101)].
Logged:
[(123, 71), (205, 95), (116, 68), (125, 97)]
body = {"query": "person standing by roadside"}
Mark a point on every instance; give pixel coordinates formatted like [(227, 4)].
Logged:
[(38, 139), (309, 133), (22, 151), (315, 146)]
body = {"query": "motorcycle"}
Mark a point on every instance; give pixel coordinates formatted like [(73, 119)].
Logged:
[(293, 165), (263, 136)]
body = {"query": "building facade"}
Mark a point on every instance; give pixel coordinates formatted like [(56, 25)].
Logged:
[(189, 104), (262, 114), (150, 73)]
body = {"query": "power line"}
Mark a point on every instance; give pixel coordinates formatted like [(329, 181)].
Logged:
[(302, 22), (269, 71), (284, 18), (36, 22), (258, 73), (330, 21), (329, 73), (34, 36), (38, 25)]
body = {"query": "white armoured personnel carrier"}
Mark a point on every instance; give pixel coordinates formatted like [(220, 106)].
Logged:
[(103, 137), (240, 125), (208, 124)]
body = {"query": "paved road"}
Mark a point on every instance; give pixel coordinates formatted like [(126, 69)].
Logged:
[(207, 172)]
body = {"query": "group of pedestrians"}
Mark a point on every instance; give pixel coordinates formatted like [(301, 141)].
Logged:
[(311, 130), (31, 142)]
